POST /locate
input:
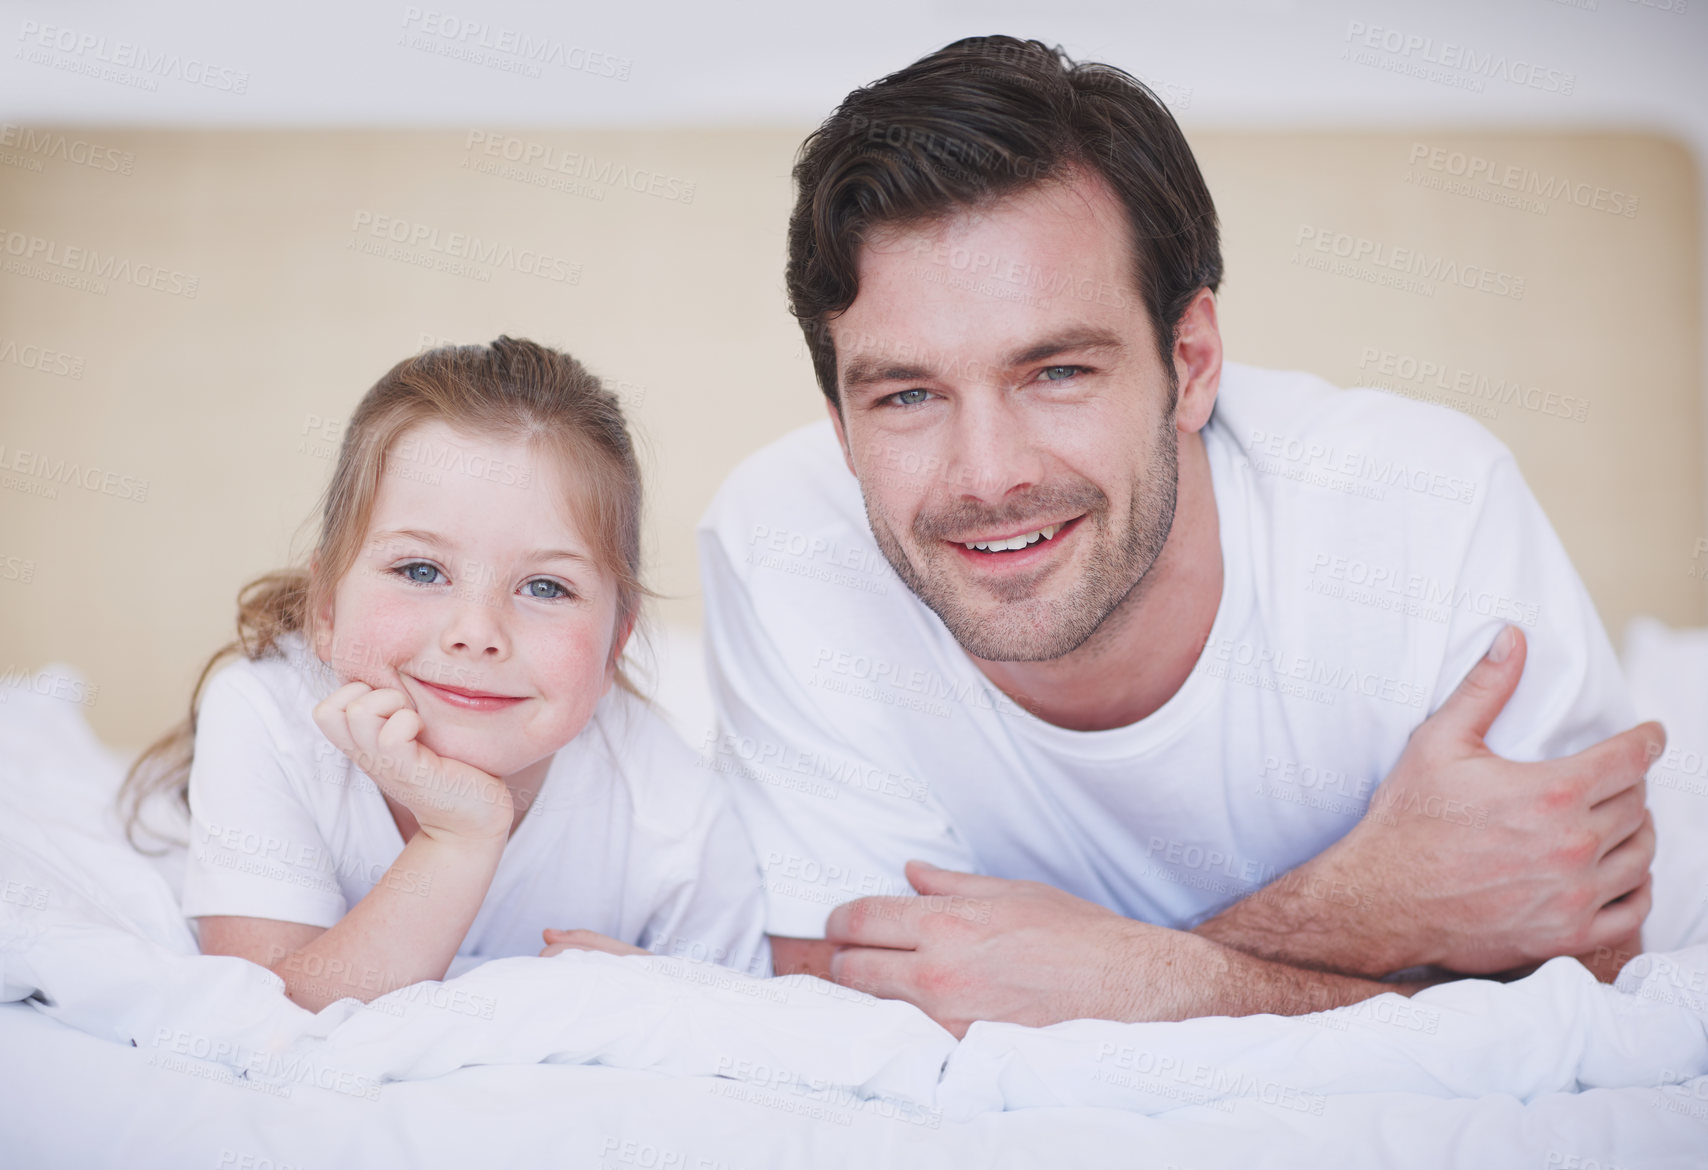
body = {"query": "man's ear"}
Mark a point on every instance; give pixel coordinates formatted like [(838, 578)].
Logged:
[(1197, 362), (835, 413)]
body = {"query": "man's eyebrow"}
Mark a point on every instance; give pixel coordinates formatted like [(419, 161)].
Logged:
[(865, 371), (1073, 341)]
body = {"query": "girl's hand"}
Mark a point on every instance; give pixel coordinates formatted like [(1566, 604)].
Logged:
[(379, 731), (586, 940)]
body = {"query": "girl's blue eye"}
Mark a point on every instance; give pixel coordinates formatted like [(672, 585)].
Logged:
[(419, 572), (545, 587), (912, 397)]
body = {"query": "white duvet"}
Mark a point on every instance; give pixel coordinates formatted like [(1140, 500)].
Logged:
[(122, 1045)]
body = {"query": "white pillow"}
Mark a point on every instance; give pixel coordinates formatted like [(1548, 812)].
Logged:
[(63, 854)]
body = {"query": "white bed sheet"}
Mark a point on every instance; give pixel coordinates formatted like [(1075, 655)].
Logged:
[(71, 1100), (701, 1068)]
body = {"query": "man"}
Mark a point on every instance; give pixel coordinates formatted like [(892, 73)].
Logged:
[(1104, 648)]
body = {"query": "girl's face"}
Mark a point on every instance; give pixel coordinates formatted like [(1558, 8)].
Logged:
[(477, 597)]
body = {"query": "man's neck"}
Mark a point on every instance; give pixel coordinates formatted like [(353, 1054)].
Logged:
[(1144, 651)]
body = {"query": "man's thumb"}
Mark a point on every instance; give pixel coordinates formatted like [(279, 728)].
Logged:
[(1485, 689), (927, 879)]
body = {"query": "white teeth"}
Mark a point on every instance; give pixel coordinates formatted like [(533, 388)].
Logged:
[(1014, 542)]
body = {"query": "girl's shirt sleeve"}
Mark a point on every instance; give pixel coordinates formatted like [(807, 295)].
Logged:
[(690, 861), (713, 909), (256, 850)]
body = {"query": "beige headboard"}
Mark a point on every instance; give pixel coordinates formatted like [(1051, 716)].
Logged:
[(158, 448)]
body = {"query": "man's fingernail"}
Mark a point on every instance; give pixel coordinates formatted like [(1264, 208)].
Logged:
[(1502, 644)]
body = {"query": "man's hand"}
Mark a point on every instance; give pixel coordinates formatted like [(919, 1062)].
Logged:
[(1469, 861), (984, 948)]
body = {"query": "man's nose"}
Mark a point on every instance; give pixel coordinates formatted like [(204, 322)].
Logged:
[(995, 449)]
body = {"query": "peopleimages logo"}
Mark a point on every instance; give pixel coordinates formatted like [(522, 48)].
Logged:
[(1476, 170), (48, 684), (508, 50), (36, 357), (89, 52), (1388, 586), (1413, 262), (1344, 468), (1304, 675), (541, 163), (52, 144), (1422, 56), (51, 472), (87, 269), (1468, 388), (393, 237)]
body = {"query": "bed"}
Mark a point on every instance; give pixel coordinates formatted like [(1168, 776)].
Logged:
[(124, 1047)]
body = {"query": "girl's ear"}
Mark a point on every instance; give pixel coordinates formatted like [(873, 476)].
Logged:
[(622, 640), (624, 630), (320, 618)]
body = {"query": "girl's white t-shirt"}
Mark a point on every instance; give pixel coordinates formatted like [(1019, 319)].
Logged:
[(628, 835)]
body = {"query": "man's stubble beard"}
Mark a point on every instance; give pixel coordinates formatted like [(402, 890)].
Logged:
[(1025, 629)]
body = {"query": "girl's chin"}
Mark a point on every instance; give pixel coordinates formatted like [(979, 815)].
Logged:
[(475, 751), (497, 745)]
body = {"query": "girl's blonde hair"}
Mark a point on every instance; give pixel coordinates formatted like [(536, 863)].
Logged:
[(511, 389)]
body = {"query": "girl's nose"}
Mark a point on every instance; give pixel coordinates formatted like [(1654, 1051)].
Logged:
[(475, 628)]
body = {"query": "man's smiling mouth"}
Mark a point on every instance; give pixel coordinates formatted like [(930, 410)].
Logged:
[(1018, 541)]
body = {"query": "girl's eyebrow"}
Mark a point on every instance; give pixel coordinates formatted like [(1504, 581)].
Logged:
[(422, 536), (562, 554), (418, 535)]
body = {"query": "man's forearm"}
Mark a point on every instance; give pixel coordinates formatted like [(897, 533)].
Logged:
[(1157, 974), (1202, 977), (1315, 917), (1248, 985)]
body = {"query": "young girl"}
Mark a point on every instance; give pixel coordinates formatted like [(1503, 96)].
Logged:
[(421, 760)]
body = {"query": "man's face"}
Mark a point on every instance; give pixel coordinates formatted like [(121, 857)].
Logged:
[(1009, 418)]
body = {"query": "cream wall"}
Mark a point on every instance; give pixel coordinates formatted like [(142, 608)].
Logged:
[(668, 282)]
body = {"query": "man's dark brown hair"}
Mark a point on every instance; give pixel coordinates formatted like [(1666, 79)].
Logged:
[(979, 120)]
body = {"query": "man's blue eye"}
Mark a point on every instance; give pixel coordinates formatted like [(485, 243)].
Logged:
[(544, 587), (419, 572), (1060, 373), (912, 397)]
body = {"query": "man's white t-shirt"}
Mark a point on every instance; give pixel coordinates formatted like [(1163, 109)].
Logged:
[(628, 835), (1372, 547)]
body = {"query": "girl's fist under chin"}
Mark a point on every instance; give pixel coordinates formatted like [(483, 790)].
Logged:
[(380, 731)]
